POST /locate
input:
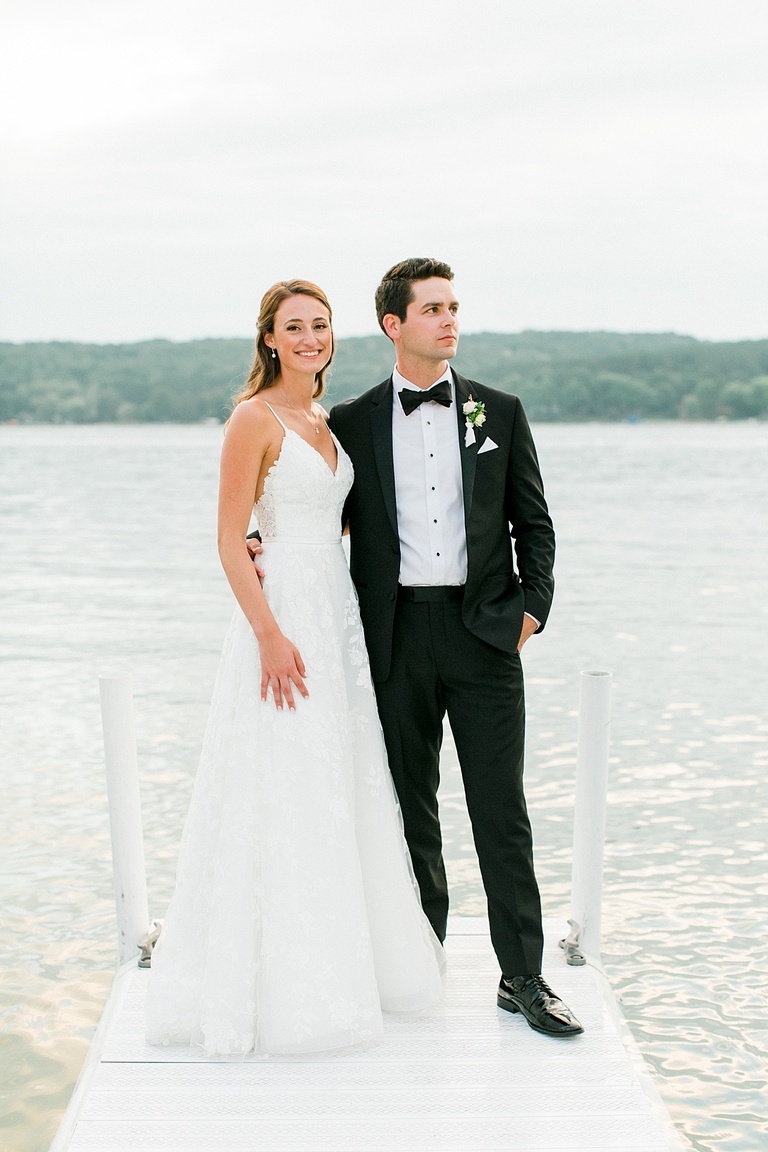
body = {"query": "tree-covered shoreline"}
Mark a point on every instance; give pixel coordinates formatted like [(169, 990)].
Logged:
[(560, 376)]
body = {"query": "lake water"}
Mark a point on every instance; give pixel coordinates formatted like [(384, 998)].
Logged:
[(107, 541)]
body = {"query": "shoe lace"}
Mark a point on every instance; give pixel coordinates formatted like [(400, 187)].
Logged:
[(542, 985)]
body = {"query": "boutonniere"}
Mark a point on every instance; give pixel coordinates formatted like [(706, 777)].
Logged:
[(474, 410)]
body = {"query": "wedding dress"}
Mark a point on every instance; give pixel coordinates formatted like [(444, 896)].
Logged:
[(296, 918)]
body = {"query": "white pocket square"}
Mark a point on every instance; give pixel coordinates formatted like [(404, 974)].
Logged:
[(488, 445)]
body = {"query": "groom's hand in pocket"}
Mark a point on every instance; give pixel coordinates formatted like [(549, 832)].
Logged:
[(529, 627)]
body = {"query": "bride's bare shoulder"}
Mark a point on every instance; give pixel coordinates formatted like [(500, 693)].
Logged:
[(251, 416)]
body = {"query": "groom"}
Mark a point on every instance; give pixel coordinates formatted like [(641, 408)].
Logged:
[(452, 550)]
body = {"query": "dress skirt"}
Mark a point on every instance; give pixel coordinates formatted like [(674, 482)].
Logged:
[(296, 918)]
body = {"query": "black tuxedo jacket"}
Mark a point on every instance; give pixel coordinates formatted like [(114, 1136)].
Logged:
[(503, 501)]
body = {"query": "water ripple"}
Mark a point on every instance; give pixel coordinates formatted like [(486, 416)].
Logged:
[(660, 579)]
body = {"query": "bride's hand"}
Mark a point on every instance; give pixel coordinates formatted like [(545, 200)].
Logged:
[(281, 667)]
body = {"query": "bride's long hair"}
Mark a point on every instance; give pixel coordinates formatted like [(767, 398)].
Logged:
[(266, 368)]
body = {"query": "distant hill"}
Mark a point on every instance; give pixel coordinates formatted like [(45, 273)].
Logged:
[(559, 375)]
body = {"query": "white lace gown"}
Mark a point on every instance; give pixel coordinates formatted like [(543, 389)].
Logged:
[(295, 919)]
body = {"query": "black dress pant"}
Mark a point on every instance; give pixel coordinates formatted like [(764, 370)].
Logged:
[(438, 666)]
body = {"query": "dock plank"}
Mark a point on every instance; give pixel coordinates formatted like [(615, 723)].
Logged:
[(500, 1101), (465, 1077), (377, 1134)]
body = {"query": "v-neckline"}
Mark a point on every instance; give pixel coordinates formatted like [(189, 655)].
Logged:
[(333, 471)]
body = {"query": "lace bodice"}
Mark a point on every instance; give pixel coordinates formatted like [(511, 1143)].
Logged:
[(302, 498)]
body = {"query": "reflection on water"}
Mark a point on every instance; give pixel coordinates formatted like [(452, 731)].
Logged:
[(48, 1022), (107, 537)]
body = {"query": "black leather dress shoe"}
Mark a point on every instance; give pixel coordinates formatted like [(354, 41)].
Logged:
[(543, 1010)]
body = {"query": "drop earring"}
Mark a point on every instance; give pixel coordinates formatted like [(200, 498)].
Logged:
[(274, 354)]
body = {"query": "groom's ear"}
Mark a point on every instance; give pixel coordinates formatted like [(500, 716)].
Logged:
[(392, 325)]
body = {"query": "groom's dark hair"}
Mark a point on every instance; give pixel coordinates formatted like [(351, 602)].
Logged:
[(395, 292)]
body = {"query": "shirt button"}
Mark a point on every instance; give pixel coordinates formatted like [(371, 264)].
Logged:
[(434, 521), (433, 487), (437, 553), (391, 596), (431, 455)]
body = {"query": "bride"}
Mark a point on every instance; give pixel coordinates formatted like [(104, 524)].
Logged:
[(295, 919)]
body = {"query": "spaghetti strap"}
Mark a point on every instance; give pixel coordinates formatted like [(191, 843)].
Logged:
[(283, 426)]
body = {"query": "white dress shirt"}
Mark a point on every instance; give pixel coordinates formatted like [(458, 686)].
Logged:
[(428, 489)]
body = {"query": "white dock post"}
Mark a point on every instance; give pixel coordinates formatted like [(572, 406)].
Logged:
[(589, 815), (124, 813)]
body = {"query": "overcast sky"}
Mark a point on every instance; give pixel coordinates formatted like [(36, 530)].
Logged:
[(582, 164)]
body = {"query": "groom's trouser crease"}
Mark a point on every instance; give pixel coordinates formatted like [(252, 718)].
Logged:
[(438, 666)]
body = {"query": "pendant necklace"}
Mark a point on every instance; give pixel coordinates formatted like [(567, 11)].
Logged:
[(301, 412)]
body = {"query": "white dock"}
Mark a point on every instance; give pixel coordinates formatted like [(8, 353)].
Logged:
[(465, 1078)]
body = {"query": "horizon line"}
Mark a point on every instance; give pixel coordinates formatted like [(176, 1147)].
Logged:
[(669, 332)]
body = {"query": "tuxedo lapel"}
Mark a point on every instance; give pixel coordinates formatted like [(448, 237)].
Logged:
[(468, 454), (381, 430)]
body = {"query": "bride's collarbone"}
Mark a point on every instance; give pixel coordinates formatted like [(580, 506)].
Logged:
[(323, 446), (321, 443)]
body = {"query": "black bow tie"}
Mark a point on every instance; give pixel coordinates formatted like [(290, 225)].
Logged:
[(440, 393)]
